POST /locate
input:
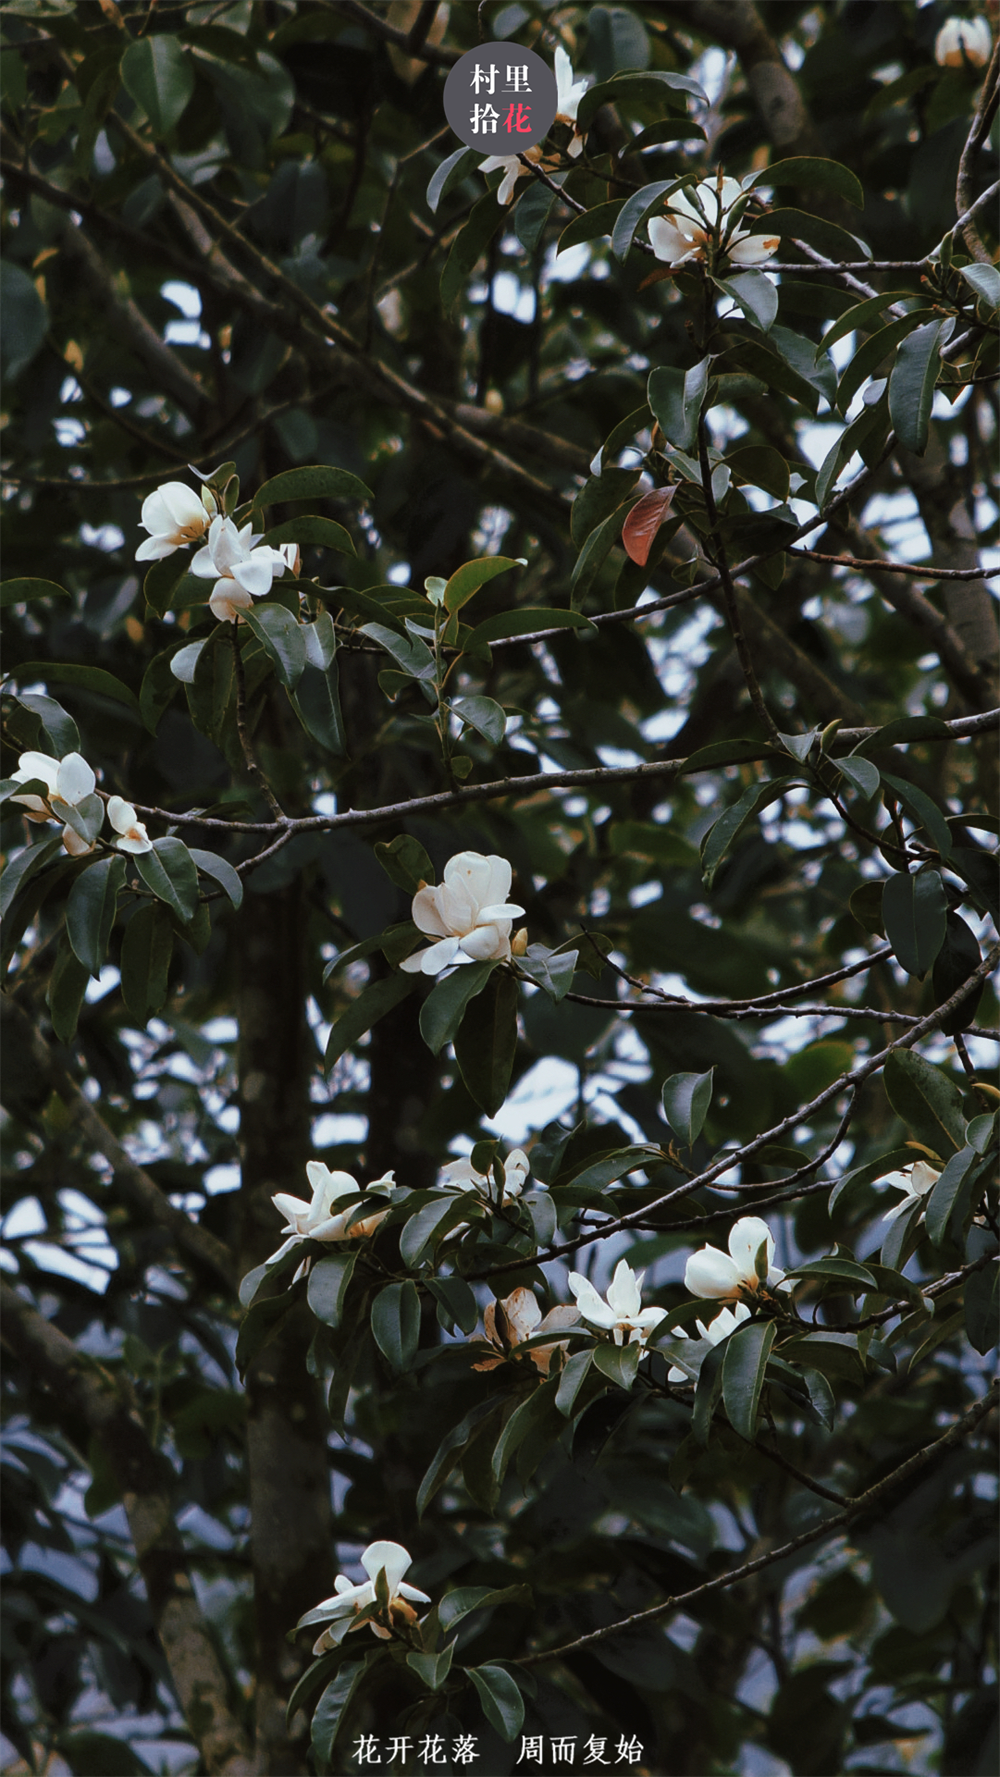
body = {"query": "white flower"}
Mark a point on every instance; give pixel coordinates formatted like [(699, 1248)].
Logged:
[(517, 1318), (568, 96), (174, 515), (689, 231), (319, 1219), (728, 1277), (623, 1311), (468, 912), (513, 170), (725, 1322), (963, 42), (348, 1599), (916, 1180), (68, 781), (123, 818), (242, 572), (516, 1167)]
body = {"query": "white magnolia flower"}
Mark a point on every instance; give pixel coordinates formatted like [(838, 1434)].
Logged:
[(320, 1219), (68, 782), (132, 834), (916, 1180), (689, 231), (513, 170), (463, 1175), (623, 1311), (468, 913), (174, 515), (242, 571), (348, 1599), (729, 1276), (725, 1322), (963, 42), (568, 96), (517, 1318)]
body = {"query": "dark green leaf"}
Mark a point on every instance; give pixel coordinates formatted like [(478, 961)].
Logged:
[(395, 1323), (686, 1098), (89, 678), (332, 1707), (762, 466), (861, 773), (326, 1290), (982, 1308), (157, 74), (627, 88), (619, 1363), (22, 867), (486, 1040), (958, 958), (926, 1100), (19, 592), (944, 1194), (912, 383), (444, 1008), (598, 498), (317, 703), (744, 1364), (432, 1669), (634, 211), (26, 321), (221, 872), (90, 911), (450, 173), (816, 173), (466, 580), (482, 714), (469, 246), (372, 1003), (67, 986), (756, 296), (503, 1705), (676, 399), (147, 947), (842, 1270), (60, 728), (707, 1392), (923, 811), (314, 483), (431, 1221), (721, 836), (283, 638), (451, 1448), (169, 870), (914, 910)]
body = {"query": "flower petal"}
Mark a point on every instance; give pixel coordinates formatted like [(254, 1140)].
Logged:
[(710, 1273)]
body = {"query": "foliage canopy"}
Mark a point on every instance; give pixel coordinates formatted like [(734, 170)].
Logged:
[(568, 832)]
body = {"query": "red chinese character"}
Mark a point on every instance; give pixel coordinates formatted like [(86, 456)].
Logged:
[(522, 123)]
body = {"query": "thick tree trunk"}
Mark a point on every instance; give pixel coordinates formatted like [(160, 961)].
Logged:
[(291, 1543)]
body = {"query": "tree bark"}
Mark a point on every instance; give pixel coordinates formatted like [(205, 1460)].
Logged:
[(291, 1520)]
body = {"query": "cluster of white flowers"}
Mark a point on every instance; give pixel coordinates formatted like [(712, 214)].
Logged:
[(468, 913), (319, 1219), (963, 43), (241, 567), (69, 783), (702, 222), (568, 96), (341, 1611)]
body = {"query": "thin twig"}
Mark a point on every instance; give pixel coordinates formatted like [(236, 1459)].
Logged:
[(253, 768)]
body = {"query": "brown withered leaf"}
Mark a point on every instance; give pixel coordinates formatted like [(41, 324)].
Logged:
[(643, 522)]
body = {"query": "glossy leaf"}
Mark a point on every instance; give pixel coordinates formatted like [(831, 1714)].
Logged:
[(169, 870), (503, 1705), (445, 1007), (686, 1098), (926, 1100), (744, 1366), (914, 910), (90, 911), (395, 1322)]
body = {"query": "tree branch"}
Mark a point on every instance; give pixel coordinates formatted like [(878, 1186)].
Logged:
[(985, 112), (108, 1409), (196, 1243), (864, 1502)]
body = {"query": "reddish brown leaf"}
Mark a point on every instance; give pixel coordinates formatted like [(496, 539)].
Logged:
[(643, 522)]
